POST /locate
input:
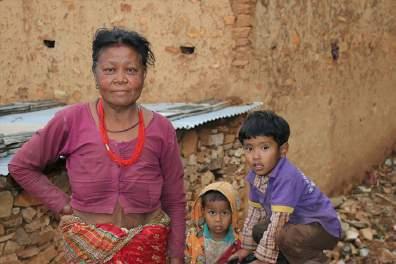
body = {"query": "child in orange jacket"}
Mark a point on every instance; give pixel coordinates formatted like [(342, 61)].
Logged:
[(213, 237)]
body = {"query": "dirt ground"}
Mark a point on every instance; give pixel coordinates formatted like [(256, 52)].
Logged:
[(368, 216)]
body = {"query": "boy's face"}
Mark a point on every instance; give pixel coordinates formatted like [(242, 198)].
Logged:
[(217, 216), (262, 154)]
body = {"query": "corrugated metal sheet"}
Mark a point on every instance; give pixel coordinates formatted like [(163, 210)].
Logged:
[(182, 116), (26, 122), (199, 119)]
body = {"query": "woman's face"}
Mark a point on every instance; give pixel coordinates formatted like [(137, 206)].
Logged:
[(120, 75)]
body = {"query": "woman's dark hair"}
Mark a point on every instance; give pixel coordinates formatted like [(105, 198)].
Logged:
[(265, 123), (105, 37), (212, 196)]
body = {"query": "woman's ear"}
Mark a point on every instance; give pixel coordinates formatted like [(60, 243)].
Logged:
[(284, 149)]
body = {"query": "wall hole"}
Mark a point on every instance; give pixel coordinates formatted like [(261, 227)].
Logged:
[(187, 49), (49, 43)]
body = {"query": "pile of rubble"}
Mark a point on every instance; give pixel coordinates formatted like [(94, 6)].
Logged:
[(368, 217)]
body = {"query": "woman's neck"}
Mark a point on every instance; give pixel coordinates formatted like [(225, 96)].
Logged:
[(120, 118)]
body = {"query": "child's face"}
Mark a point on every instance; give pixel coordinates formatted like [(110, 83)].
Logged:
[(263, 153), (218, 218)]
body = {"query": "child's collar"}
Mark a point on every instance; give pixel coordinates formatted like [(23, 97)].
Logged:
[(229, 238)]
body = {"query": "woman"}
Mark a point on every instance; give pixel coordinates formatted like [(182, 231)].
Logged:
[(123, 164)]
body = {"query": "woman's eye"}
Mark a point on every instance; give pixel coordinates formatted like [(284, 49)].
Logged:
[(131, 71), (108, 70)]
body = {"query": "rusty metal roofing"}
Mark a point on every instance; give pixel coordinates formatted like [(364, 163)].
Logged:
[(182, 116)]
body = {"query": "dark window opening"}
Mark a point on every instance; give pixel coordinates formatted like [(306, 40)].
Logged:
[(49, 43)]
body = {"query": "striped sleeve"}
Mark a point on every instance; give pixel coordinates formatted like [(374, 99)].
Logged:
[(267, 251), (256, 213), (254, 216)]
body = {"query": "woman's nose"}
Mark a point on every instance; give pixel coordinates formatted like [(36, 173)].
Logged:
[(120, 77)]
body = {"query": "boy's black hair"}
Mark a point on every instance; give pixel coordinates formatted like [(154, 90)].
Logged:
[(265, 123), (212, 196), (105, 37)]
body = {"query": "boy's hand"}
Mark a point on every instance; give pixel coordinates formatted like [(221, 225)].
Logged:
[(240, 254), (258, 262)]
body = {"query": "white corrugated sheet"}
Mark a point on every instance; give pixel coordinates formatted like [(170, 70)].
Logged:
[(182, 116)]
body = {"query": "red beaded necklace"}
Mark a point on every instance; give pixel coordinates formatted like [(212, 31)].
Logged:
[(140, 141)]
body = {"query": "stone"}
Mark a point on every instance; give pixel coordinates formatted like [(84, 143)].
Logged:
[(242, 42), (189, 143), (10, 259), (16, 210), (229, 20), (60, 258), (213, 139), (13, 221), (202, 157), (244, 21), (6, 201), (215, 164), (227, 146), (229, 138), (367, 233), (207, 178), (386, 256), (363, 252), (46, 235), (172, 50), (7, 237), (26, 200), (240, 63), (192, 160), (241, 32), (28, 252), (127, 8), (351, 234), (238, 153), (22, 238), (242, 8), (2, 230), (388, 162), (337, 201), (358, 224), (28, 214), (363, 189), (11, 247), (45, 256), (33, 226)]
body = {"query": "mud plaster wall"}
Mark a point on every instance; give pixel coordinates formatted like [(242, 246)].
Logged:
[(279, 52)]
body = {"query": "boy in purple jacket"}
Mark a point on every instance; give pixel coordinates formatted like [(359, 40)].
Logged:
[(289, 219)]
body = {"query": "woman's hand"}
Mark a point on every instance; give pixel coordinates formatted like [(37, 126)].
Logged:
[(67, 210), (240, 254)]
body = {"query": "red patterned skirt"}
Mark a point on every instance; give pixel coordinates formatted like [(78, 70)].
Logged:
[(107, 243)]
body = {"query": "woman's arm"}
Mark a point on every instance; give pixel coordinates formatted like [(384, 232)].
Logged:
[(173, 197), (27, 165)]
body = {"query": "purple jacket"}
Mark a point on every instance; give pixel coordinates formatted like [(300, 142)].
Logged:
[(289, 190)]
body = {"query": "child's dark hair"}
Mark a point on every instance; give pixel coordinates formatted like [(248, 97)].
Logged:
[(265, 123), (105, 37), (212, 196)]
